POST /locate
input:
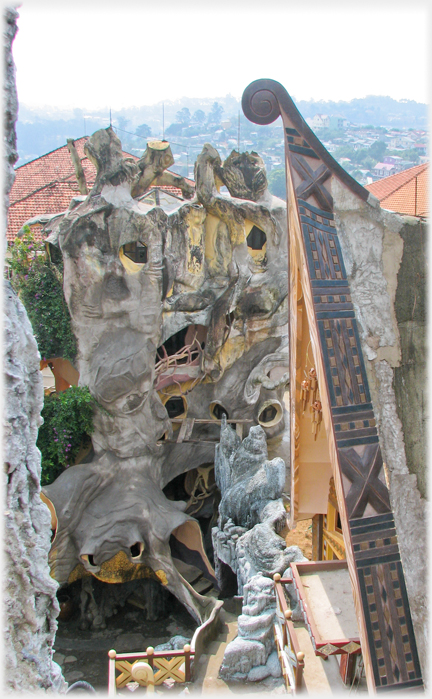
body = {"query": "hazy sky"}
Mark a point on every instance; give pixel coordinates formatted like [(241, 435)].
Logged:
[(98, 54)]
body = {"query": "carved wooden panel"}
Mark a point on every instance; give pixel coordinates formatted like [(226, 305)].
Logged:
[(387, 638)]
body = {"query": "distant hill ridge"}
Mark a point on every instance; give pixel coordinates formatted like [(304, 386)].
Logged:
[(41, 130)]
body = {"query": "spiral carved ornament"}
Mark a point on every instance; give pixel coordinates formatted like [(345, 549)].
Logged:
[(259, 102)]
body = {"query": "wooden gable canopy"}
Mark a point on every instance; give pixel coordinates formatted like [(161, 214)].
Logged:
[(330, 400)]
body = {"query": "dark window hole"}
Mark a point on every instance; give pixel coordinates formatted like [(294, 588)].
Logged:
[(173, 344), (135, 550), (218, 410), (137, 252), (175, 406), (256, 239), (268, 414)]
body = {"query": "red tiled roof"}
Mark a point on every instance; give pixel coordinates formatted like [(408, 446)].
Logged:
[(55, 166), (47, 184), (407, 192)]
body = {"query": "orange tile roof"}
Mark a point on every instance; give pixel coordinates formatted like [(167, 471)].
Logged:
[(47, 184), (407, 192)]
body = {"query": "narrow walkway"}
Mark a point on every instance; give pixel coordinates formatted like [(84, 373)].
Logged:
[(206, 672), (322, 676)]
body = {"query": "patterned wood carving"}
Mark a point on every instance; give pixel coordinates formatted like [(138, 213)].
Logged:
[(313, 182), (372, 552), (365, 488), (382, 585)]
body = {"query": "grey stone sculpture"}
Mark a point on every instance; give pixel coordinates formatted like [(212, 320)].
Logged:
[(177, 315), (247, 544), (247, 483)]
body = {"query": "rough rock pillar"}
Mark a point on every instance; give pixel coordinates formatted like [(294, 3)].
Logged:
[(31, 607)]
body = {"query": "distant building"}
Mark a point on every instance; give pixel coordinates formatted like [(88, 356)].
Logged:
[(406, 192), (320, 121), (383, 170), (337, 122), (392, 159)]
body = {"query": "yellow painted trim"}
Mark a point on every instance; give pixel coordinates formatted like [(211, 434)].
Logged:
[(130, 266), (162, 576)]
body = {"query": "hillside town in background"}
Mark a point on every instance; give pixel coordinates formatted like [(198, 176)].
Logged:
[(393, 136)]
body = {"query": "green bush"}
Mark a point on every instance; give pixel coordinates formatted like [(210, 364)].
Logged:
[(277, 183), (68, 424), (39, 284)]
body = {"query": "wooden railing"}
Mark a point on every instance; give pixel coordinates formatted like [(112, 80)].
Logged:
[(290, 656), (149, 668)]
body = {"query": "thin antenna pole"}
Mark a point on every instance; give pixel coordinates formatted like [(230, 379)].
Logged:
[(163, 121), (238, 132), (110, 118)]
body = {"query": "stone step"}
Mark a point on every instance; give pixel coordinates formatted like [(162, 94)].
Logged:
[(189, 572), (203, 586)]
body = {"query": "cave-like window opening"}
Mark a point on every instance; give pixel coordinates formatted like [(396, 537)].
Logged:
[(135, 550), (268, 414), (137, 252), (217, 410), (173, 344), (256, 238), (175, 406)]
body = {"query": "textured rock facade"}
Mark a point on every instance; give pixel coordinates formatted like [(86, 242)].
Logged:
[(384, 256), (31, 605), (178, 314), (29, 593)]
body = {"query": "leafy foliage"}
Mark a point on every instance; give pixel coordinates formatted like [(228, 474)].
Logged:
[(39, 284), (199, 117), (215, 113), (143, 130), (377, 150), (277, 183), (68, 422), (183, 116)]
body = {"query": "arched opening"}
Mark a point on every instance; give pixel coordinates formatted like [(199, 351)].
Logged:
[(217, 410), (270, 413), (176, 406)]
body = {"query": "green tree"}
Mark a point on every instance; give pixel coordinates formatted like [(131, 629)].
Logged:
[(410, 154), (378, 150), (123, 123), (199, 117), (143, 130), (215, 114), (183, 116), (277, 183), (174, 129), (39, 284), (344, 151), (67, 425)]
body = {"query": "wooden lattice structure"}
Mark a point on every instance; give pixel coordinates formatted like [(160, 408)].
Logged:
[(330, 392), (149, 668)]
